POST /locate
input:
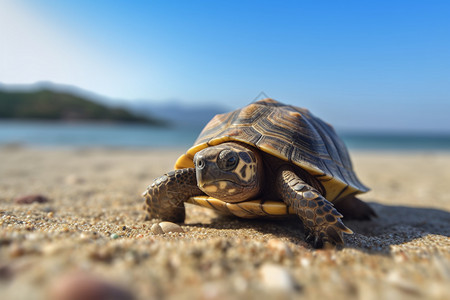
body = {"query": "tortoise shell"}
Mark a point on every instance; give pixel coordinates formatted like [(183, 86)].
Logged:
[(288, 132)]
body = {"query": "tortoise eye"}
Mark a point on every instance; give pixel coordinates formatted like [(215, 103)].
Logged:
[(228, 160)]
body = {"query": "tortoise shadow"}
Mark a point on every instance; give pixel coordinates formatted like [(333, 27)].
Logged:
[(394, 225)]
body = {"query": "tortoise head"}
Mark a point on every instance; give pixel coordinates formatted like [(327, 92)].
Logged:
[(230, 171)]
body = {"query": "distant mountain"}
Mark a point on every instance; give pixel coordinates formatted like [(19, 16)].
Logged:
[(178, 113), (47, 100), (49, 104)]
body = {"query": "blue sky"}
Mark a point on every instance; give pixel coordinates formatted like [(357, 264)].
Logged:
[(382, 65)]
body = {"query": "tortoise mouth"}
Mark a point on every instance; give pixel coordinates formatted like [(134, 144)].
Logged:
[(222, 184), (224, 189)]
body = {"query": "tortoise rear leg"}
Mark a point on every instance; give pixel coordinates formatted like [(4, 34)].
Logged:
[(353, 208), (321, 220), (165, 197)]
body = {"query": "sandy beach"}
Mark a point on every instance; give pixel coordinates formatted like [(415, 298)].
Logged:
[(93, 225)]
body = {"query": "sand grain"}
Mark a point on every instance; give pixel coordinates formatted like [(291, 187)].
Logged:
[(93, 223)]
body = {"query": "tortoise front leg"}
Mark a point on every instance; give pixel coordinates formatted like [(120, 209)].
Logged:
[(165, 197), (321, 220)]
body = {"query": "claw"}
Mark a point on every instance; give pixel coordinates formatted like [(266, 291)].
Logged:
[(328, 236), (336, 237), (309, 238), (342, 227), (318, 243)]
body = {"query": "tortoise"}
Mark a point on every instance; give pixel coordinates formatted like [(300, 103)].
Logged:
[(266, 159)]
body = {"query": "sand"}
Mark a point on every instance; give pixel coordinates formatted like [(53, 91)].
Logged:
[(93, 224)]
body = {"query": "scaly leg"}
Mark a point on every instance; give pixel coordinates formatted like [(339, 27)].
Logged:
[(165, 197), (321, 220)]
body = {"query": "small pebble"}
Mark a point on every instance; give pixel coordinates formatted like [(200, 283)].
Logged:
[(166, 227), (170, 227), (31, 199), (156, 229), (275, 277), (114, 236), (77, 286)]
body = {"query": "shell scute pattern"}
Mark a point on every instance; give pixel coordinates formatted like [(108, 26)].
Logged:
[(290, 133)]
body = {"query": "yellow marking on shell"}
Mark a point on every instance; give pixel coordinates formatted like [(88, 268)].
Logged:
[(246, 209), (194, 149), (274, 151), (253, 209), (217, 141), (277, 208), (231, 191), (224, 139), (209, 202), (184, 162), (239, 211)]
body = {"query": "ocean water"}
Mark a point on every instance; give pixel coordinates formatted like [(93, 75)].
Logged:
[(140, 136), (37, 133)]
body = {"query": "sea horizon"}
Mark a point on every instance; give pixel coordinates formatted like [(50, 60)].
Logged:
[(132, 135)]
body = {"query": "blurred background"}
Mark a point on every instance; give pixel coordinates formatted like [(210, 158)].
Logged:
[(152, 73)]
